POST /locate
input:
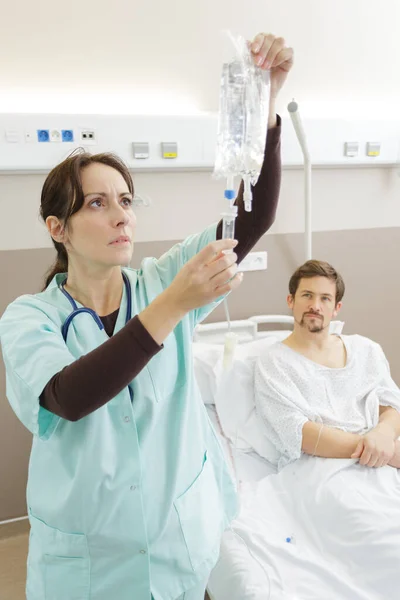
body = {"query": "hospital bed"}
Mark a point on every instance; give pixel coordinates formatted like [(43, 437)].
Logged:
[(231, 410)]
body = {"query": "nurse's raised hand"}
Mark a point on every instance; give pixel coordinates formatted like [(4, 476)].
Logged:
[(207, 276)]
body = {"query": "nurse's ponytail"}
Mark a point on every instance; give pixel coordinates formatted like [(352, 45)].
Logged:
[(61, 264), (62, 195)]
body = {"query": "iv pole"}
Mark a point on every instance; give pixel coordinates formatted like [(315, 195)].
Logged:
[(293, 109)]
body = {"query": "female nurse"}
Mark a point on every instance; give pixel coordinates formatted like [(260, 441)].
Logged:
[(128, 492)]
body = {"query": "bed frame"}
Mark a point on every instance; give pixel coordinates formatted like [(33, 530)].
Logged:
[(246, 329)]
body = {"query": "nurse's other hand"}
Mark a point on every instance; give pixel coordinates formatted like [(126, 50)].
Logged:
[(208, 275), (271, 54)]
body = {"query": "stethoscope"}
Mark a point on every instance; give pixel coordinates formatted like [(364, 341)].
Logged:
[(77, 311)]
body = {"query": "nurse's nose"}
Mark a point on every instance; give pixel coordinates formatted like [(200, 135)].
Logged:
[(119, 215)]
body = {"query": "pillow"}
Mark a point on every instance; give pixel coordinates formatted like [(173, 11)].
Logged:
[(207, 362), (235, 403), (277, 336), (336, 327), (205, 359)]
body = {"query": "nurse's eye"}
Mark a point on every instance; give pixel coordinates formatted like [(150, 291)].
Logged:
[(97, 202), (127, 201)]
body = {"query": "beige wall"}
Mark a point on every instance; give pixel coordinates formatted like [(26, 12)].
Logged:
[(186, 202), (368, 260)]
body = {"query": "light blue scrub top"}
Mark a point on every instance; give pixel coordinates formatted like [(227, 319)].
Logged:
[(131, 500)]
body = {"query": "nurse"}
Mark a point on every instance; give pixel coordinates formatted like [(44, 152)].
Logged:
[(128, 492)]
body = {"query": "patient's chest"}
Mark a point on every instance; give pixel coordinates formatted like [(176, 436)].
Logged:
[(348, 402), (344, 396), (334, 357)]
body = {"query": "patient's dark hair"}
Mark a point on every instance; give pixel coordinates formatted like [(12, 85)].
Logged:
[(317, 268), (62, 194)]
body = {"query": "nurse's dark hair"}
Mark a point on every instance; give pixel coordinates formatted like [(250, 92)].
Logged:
[(62, 195), (317, 268)]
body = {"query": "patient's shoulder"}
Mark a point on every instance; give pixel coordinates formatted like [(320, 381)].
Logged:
[(273, 351), (359, 340), (361, 344), (275, 357)]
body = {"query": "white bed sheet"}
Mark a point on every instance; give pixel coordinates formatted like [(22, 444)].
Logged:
[(331, 532), (232, 575), (336, 538), (248, 466)]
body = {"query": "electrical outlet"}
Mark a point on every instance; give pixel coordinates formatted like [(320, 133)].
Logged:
[(254, 261), (67, 135), (43, 135), (55, 135), (30, 136), (88, 136)]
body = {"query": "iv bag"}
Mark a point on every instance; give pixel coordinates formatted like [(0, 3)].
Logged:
[(243, 116)]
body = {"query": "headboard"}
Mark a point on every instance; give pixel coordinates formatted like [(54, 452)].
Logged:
[(249, 329)]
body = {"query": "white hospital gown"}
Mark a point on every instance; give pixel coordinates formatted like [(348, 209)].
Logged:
[(291, 389)]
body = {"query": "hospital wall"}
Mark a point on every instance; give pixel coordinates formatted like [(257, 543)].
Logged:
[(356, 227)]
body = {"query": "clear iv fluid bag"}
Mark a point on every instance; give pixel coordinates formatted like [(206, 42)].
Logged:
[(243, 116), (232, 118)]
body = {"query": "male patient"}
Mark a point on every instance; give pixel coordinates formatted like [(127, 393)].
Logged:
[(327, 395)]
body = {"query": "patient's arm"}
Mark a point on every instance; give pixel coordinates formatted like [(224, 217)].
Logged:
[(335, 443), (377, 448), (332, 443), (395, 461), (389, 420)]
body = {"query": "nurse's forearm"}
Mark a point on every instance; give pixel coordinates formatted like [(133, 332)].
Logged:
[(251, 226), (161, 316), (94, 379), (272, 117), (332, 443)]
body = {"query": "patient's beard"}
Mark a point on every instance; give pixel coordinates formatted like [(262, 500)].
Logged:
[(313, 327)]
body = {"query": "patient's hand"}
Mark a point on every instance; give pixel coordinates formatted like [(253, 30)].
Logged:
[(395, 461), (376, 448)]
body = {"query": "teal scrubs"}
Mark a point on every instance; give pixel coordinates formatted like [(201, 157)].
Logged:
[(131, 501)]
